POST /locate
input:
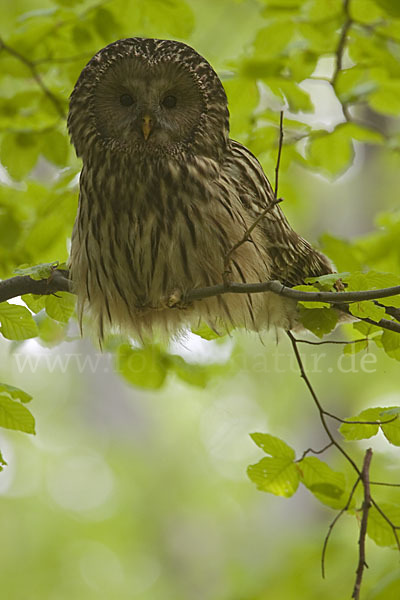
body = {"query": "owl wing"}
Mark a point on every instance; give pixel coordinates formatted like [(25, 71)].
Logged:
[(293, 258)]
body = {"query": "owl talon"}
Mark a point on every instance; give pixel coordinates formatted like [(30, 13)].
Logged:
[(175, 300)]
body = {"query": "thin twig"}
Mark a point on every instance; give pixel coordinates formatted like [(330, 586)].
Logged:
[(311, 450), (278, 288), (61, 59), (384, 483), (339, 55), (341, 342), (332, 525), (342, 42), (274, 202), (364, 522), (36, 76), (348, 422), (278, 160), (361, 475), (247, 234), (389, 522), (321, 410)]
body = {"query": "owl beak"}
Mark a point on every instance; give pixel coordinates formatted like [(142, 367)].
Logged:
[(147, 125)]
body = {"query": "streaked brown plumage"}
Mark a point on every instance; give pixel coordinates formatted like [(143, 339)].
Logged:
[(165, 194)]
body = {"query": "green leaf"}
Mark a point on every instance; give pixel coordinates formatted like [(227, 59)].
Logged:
[(273, 445), (367, 309), (378, 528), (55, 147), (278, 476), (390, 301), (197, 375), (41, 271), (369, 280), (387, 588), (16, 322), (331, 153), (2, 462), (19, 153), (34, 302), (386, 99), (289, 91), (105, 24), (328, 486), (391, 411), (391, 430), (306, 304), (345, 256), (392, 7), (365, 11), (355, 347), (51, 332), (326, 282), (274, 38), (158, 18), (359, 431), (61, 306), (144, 367), (68, 3), (15, 393), (354, 85), (14, 415), (367, 329), (391, 343), (319, 320), (205, 332)]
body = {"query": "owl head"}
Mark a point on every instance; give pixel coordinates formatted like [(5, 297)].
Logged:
[(143, 97)]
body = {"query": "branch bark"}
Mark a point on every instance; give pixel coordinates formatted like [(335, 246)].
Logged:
[(364, 522), (58, 282), (18, 286)]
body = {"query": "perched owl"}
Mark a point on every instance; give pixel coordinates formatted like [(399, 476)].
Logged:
[(164, 196)]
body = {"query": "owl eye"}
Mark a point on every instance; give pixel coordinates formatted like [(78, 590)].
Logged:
[(126, 100), (169, 101)]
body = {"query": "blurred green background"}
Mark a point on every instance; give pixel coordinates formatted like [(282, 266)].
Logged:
[(127, 492)]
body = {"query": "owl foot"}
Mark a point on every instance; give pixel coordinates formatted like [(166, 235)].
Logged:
[(175, 300)]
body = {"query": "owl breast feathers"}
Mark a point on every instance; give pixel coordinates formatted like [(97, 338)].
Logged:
[(164, 196)]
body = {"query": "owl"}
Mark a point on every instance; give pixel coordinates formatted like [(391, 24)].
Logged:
[(165, 196)]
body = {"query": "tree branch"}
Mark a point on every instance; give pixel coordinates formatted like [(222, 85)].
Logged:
[(342, 42), (364, 522), (36, 76), (321, 410), (18, 286), (332, 525), (278, 159), (340, 53), (278, 288), (275, 201), (362, 475)]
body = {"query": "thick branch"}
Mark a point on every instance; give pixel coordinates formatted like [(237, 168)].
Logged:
[(15, 286), (18, 286)]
